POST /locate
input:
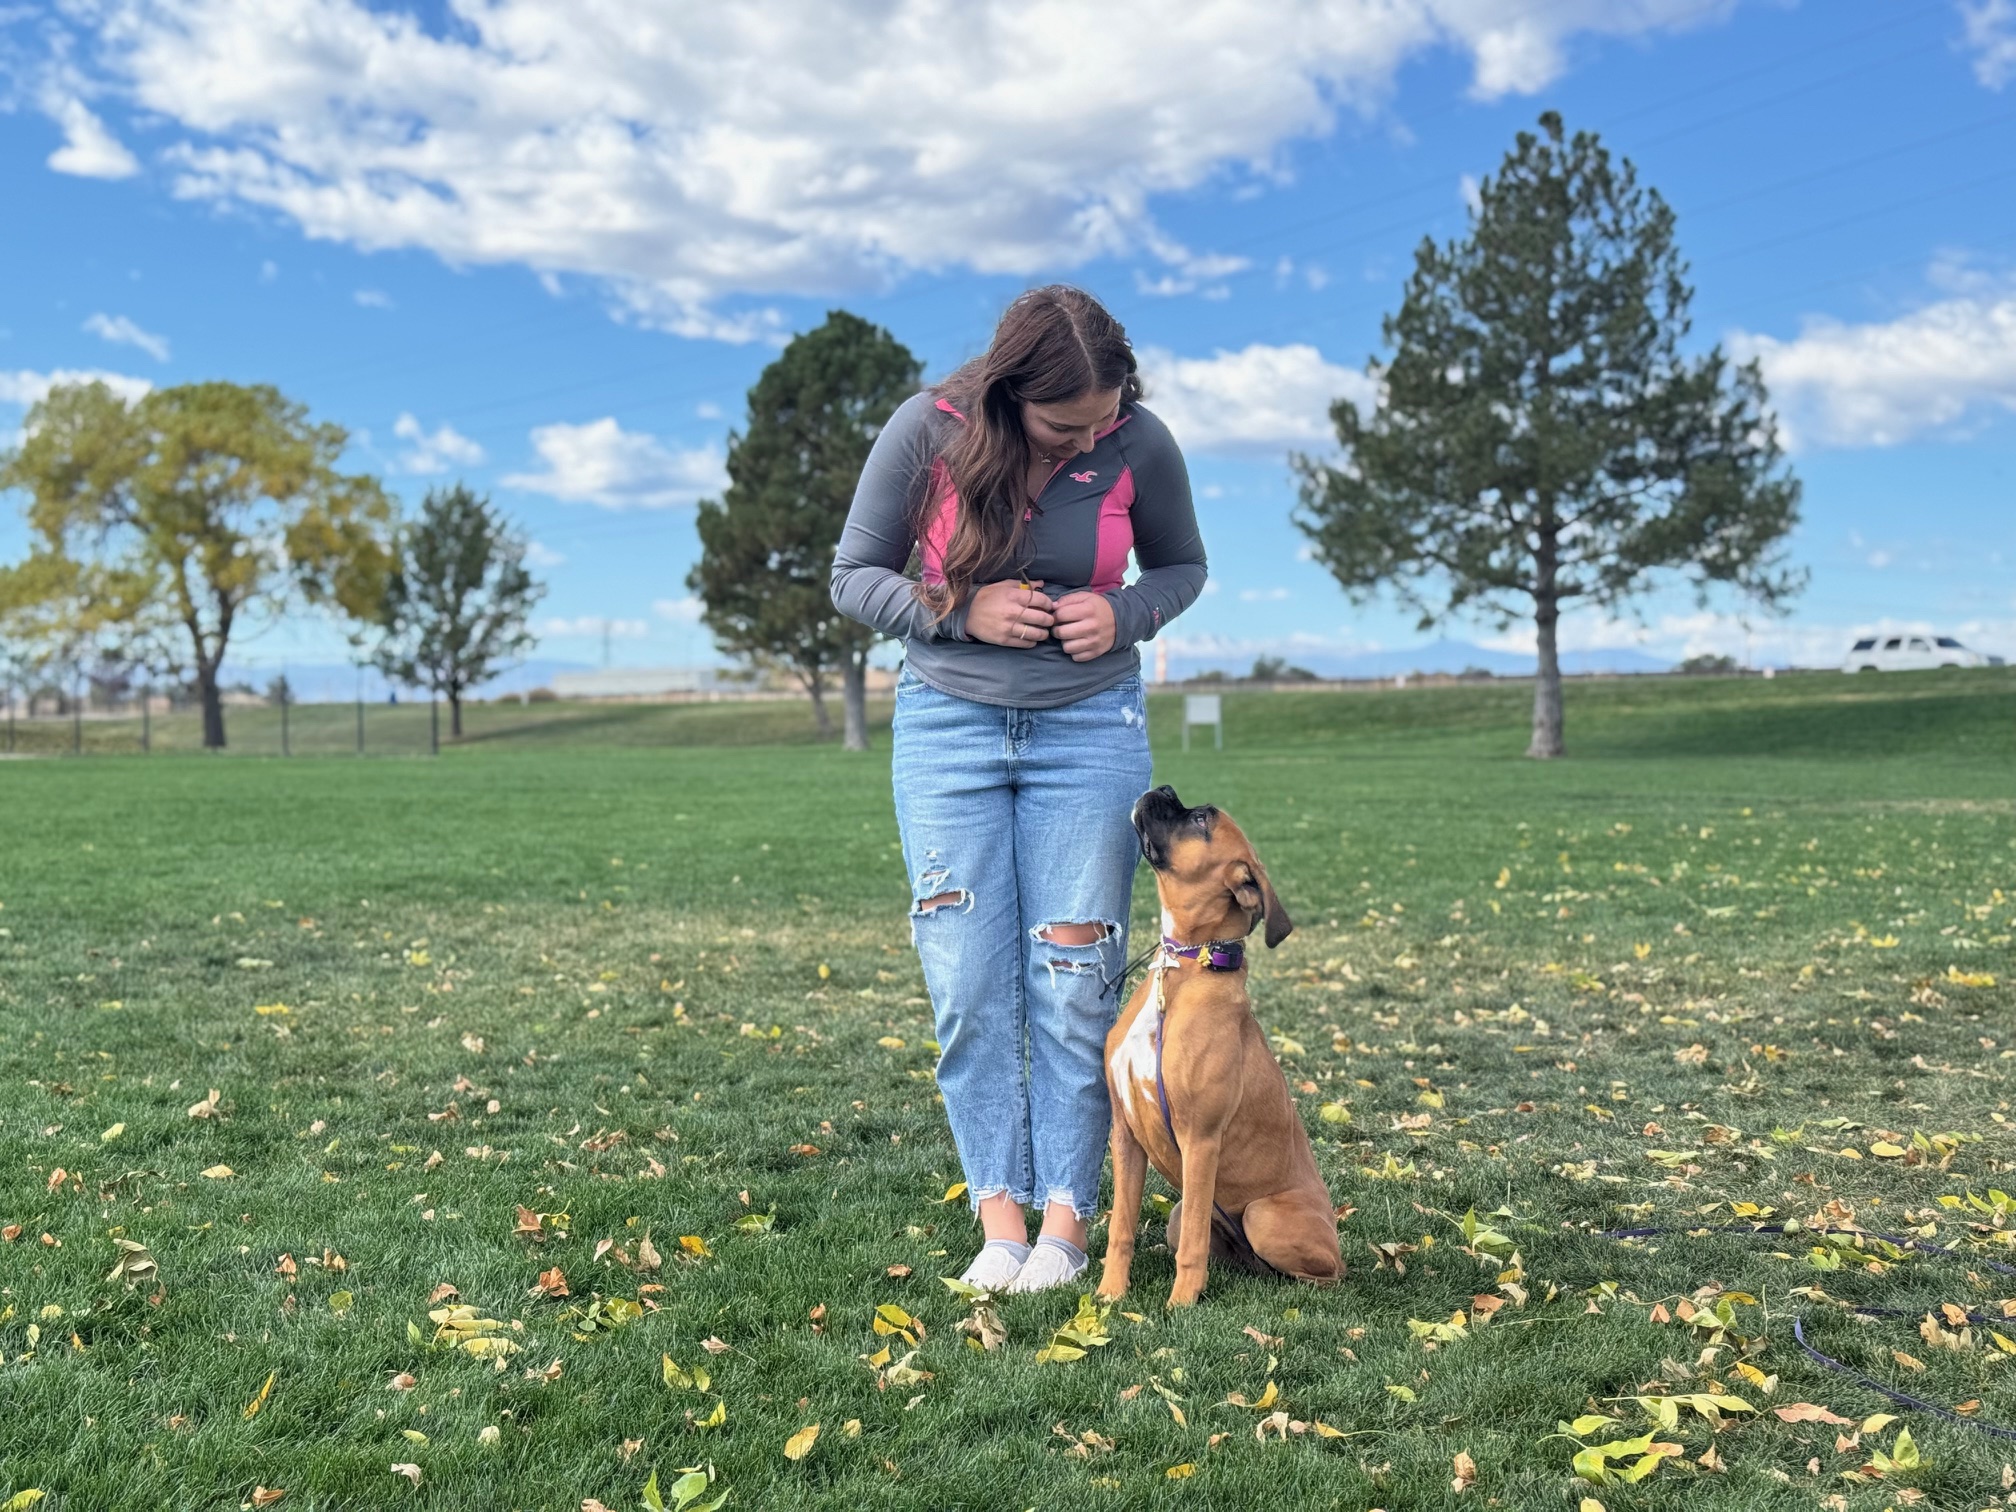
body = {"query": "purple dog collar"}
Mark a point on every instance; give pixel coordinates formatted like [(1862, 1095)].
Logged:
[(1217, 955)]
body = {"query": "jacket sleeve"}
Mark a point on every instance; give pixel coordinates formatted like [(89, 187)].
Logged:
[(1167, 546), (868, 582)]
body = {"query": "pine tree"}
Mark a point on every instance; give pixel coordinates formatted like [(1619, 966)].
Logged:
[(767, 545), (1539, 438)]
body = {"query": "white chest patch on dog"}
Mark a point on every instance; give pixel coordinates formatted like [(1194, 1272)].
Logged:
[(1134, 1067)]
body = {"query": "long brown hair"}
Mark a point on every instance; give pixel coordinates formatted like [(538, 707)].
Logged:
[(1053, 345)]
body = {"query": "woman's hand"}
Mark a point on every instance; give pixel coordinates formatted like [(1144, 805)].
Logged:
[(1013, 613), (1084, 625)]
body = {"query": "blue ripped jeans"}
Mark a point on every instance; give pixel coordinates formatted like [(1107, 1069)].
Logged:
[(1021, 817)]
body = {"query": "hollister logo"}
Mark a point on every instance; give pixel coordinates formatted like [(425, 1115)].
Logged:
[(1084, 477)]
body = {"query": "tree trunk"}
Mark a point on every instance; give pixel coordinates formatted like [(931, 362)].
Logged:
[(455, 713), (1547, 685), (213, 707), (816, 686), (854, 682)]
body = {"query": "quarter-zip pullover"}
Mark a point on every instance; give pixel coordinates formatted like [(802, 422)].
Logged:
[(1130, 493)]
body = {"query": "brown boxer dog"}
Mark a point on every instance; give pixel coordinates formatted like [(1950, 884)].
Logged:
[(1195, 1088)]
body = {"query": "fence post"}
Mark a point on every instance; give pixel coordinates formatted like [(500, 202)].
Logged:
[(146, 721), (285, 699), (76, 717), (433, 723)]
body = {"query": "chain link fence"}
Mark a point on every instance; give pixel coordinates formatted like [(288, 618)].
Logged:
[(271, 710)]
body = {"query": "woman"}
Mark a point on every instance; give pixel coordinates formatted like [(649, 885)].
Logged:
[(1021, 737)]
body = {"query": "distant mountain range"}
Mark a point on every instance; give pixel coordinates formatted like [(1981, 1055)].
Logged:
[(339, 682), (1442, 656)]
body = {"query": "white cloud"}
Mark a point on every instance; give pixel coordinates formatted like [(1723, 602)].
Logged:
[(539, 554), (1470, 191), (1885, 382), (1264, 398), (24, 387), (117, 328), (595, 626), (1263, 595), (268, 271), (89, 149), (687, 155), (707, 409), (681, 611), (1990, 34), (373, 299), (446, 448), (601, 463)]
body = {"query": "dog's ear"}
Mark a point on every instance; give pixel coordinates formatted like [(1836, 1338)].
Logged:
[(1279, 925), (1256, 895)]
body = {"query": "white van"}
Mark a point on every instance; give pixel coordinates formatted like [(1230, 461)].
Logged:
[(1912, 653)]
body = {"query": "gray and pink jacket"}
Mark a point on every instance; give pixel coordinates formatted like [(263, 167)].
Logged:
[(1130, 493)]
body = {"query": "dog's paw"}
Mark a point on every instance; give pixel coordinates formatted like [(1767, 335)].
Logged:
[(1112, 1285)]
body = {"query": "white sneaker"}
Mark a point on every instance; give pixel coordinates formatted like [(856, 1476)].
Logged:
[(1053, 1262), (994, 1269)]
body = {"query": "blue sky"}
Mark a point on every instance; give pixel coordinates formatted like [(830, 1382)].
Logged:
[(547, 245)]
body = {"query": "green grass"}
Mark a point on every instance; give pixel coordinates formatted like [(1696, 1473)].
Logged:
[(1737, 914)]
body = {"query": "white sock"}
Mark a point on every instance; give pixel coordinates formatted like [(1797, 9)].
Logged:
[(996, 1265), (1054, 1262)]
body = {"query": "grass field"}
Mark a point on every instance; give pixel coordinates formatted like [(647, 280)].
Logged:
[(654, 983)]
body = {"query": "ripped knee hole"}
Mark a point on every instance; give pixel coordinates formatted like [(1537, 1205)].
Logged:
[(1074, 934), (955, 899)]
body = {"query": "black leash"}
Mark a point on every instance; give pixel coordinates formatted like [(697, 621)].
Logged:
[(1902, 1398)]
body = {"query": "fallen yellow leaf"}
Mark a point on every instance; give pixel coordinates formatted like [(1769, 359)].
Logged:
[(800, 1443), (252, 1407), (219, 1172)]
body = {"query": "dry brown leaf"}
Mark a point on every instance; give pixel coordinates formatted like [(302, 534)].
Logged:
[(1808, 1412), (208, 1109), (411, 1472), (401, 1382), (713, 1345), (552, 1283), (1909, 1362), (442, 1291), (1466, 1472), (265, 1496)]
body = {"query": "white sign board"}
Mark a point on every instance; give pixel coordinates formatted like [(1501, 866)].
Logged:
[(1204, 709)]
